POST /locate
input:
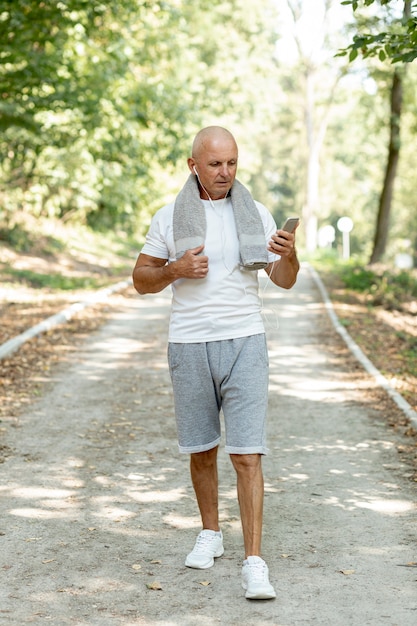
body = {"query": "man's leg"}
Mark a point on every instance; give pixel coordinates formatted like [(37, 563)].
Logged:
[(250, 490), (209, 543), (203, 468)]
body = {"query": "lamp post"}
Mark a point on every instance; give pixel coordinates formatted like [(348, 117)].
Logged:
[(345, 225), (326, 236)]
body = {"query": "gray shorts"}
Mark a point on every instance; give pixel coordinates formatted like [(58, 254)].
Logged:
[(229, 375)]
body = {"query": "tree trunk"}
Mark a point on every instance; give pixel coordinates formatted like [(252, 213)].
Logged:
[(385, 200), (309, 211)]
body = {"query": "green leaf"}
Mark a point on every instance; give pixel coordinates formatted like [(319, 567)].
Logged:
[(353, 54)]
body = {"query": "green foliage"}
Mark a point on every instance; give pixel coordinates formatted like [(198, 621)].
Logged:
[(381, 286), (398, 47), (72, 258), (408, 349), (97, 98), (23, 240), (355, 3), (358, 278), (55, 281), (396, 41), (99, 101)]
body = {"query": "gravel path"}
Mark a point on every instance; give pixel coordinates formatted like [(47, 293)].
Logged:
[(97, 512)]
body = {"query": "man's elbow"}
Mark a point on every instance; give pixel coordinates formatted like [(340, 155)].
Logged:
[(285, 284), (291, 284), (139, 284)]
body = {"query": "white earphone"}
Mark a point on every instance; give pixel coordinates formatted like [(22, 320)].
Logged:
[(195, 171)]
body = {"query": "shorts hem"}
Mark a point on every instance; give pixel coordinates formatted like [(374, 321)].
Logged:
[(247, 450), (200, 448)]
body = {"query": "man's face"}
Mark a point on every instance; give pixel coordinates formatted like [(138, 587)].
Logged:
[(216, 164)]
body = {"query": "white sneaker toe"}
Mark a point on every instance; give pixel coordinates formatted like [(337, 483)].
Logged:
[(208, 546), (255, 579)]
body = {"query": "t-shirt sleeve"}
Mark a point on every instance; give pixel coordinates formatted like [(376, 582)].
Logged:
[(156, 239), (270, 228)]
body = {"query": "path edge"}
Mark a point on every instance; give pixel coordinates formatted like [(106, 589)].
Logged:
[(383, 382), (63, 316)]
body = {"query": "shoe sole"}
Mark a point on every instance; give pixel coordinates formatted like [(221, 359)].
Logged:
[(260, 596)]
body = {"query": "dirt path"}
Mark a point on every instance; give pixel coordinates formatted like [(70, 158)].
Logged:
[(96, 504)]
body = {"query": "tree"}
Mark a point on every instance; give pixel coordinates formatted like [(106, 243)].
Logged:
[(398, 43), (314, 67), (99, 99), (385, 199), (383, 42)]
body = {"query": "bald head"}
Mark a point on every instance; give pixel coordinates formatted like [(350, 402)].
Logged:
[(212, 136), (214, 161)]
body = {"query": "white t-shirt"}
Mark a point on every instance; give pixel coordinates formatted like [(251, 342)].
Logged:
[(225, 304)]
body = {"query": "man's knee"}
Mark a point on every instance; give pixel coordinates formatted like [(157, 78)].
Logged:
[(202, 460), (247, 463)]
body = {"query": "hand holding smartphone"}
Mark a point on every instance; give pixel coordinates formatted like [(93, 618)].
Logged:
[(282, 241), (291, 224)]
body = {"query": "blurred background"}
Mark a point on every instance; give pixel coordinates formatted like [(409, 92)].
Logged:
[(100, 101)]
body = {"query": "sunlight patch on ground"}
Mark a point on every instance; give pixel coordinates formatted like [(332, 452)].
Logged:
[(178, 521), (114, 514), (38, 513), (389, 507), (41, 492), (158, 496)]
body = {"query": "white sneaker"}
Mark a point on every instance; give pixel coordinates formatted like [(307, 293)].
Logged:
[(255, 579), (208, 546)]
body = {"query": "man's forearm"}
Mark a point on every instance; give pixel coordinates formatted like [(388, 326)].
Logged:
[(284, 272), (152, 274), (149, 279)]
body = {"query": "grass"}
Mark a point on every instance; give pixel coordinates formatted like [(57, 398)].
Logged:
[(380, 285), (24, 240), (55, 281), (50, 256)]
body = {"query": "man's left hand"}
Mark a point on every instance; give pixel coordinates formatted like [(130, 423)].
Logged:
[(282, 243)]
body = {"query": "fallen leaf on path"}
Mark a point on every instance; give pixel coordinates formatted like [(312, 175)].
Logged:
[(136, 566), (48, 561), (347, 572), (155, 586), (156, 562), (205, 583)]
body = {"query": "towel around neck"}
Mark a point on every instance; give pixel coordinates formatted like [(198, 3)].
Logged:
[(189, 223)]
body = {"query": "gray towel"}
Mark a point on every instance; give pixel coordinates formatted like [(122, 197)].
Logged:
[(189, 224)]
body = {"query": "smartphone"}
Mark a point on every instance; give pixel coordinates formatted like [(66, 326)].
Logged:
[(290, 224)]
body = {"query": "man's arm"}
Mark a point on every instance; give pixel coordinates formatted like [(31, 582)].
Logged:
[(151, 275), (283, 272)]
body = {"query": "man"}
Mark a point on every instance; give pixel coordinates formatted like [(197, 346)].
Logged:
[(206, 245)]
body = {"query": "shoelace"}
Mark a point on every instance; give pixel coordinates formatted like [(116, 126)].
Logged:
[(257, 571), (203, 542)]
